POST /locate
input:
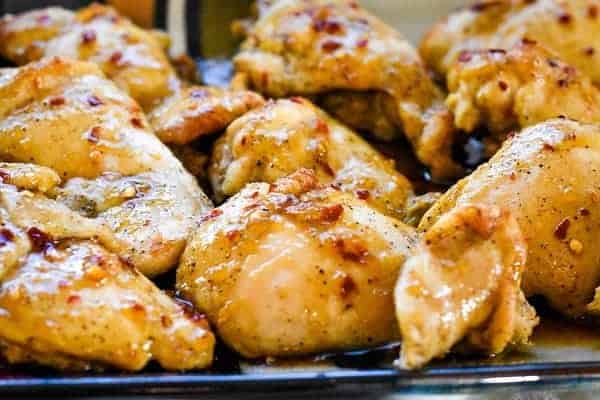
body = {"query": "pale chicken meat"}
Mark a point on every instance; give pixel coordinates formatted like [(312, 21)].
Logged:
[(286, 135), (548, 178), (360, 69), (462, 284), (571, 29), (134, 58), (500, 90), (289, 268), (66, 299), (64, 115)]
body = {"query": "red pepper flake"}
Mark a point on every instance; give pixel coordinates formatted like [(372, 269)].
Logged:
[(496, 51), (199, 94), (137, 307), (321, 126), (562, 228), (352, 250), (330, 46), (57, 101), (93, 135), (362, 43), (191, 313), (328, 26), (348, 286), (137, 122), (503, 85), (88, 36), (465, 56), (4, 176), (298, 100), (552, 63), (326, 167), (483, 5), (116, 57), (94, 101), (589, 51), (232, 234), (513, 176), (212, 214), (166, 321), (6, 236), (73, 299), (563, 83), (565, 18), (584, 212), (332, 213), (40, 241), (353, 4), (528, 42), (264, 79), (593, 11), (363, 194), (548, 146)]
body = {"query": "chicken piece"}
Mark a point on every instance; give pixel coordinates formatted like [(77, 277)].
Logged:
[(571, 29), (288, 269), (286, 135), (463, 283), (133, 58), (197, 111), (337, 51), (64, 115), (548, 178), (501, 90), (66, 300)]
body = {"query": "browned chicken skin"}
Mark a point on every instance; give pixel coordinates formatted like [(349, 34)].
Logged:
[(133, 58), (570, 29), (64, 115), (68, 301), (336, 50)]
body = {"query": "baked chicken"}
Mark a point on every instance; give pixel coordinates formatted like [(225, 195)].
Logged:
[(66, 116), (271, 142), (135, 59), (548, 178), (69, 301), (360, 70), (502, 90), (294, 268), (570, 29)]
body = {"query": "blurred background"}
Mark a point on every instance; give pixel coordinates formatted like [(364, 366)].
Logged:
[(201, 27)]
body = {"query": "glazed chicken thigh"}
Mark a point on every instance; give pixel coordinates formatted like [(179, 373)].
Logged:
[(360, 70), (285, 135), (135, 59), (502, 90), (548, 177), (66, 116), (68, 301), (570, 29)]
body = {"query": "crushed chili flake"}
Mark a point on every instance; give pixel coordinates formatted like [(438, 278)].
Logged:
[(348, 286), (166, 321), (483, 5), (88, 36), (116, 57), (232, 235), (552, 63), (73, 299), (40, 241), (528, 41), (503, 85), (548, 146), (138, 307), (325, 25), (584, 211), (362, 43), (562, 228), (363, 194), (565, 18), (330, 46), (332, 213), (589, 51), (137, 122), (352, 249), (321, 126), (212, 214), (4, 176), (593, 11), (43, 19), (57, 101), (298, 100), (93, 135), (563, 83), (6, 236)]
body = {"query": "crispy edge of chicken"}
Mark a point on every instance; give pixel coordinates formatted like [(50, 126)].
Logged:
[(462, 285)]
